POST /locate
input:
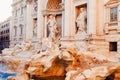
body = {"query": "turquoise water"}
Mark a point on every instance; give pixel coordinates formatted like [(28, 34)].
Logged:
[(4, 75)]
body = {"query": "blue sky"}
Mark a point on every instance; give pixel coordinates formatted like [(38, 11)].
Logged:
[(5, 9)]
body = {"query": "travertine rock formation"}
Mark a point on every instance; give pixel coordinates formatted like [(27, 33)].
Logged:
[(54, 60)]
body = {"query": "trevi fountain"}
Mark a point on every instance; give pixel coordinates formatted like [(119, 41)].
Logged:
[(76, 49)]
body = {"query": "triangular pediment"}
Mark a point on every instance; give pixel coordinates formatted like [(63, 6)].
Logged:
[(112, 2)]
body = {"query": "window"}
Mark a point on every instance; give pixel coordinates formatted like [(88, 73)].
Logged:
[(113, 14), (15, 31), (16, 13), (4, 32), (8, 24), (6, 38), (21, 30), (22, 10), (113, 46), (1, 39), (8, 31)]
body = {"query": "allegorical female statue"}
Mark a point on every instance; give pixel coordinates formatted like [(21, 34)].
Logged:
[(52, 26), (81, 23), (35, 30), (35, 5)]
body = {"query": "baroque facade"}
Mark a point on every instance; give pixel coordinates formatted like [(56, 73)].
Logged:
[(18, 28), (67, 39), (81, 21)]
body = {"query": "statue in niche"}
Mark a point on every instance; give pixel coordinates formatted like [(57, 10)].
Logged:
[(52, 26), (35, 30), (81, 21), (35, 6)]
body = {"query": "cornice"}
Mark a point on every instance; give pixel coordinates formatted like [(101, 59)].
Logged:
[(16, 2), (110, 2)]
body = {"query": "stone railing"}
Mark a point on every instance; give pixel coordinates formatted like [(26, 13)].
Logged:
[(112, 26)]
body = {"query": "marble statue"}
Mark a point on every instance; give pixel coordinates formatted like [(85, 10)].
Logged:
[(81, 24), (52, 26), (35, 30), (35, 6)]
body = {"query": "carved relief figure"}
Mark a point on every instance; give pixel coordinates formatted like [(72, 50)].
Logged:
[(35, 30), (81, 23), (35, 5), (52, 26)]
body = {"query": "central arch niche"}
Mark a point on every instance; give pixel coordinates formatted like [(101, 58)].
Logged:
[(53, 7)]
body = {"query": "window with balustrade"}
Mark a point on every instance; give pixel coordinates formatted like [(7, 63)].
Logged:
[(113, 14)]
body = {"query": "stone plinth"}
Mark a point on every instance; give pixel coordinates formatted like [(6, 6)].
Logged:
[(81, 41)]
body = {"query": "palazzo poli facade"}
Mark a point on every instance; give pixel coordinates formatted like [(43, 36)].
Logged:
[(100, 22), (18, 29), (64, 40)]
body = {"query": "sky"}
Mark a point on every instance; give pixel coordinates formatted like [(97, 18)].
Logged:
[(5, 9)]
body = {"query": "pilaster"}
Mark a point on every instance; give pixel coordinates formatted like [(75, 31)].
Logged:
[(68, 18), (100, 14), (91, 16), (45, 28), (40, 21), (29, 25), (118, 18)]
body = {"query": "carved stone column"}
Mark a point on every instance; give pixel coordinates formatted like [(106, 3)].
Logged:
[(106, 20), (91, 16), (67, 28), (29, 25), (91, 24), (63, 24), (100, 20), (119, 18), (45, 28), (40, 21), (63, 18)]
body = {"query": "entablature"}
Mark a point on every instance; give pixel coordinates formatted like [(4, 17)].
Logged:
[(79, 2)]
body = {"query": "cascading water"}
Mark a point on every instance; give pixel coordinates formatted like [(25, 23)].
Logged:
[(4, 74)]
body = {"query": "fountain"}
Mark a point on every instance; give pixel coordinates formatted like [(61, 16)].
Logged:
[(59, 63), (55, 61)]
